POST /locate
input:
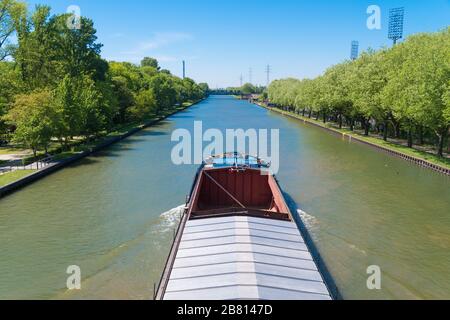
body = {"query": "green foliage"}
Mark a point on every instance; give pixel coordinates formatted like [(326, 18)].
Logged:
[(9, 11), (35, 119), (145, 105), (150, 62), (246, 89), (407, 85), (58, 86)]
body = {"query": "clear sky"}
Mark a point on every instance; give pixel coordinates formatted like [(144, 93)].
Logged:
[(220, 40)]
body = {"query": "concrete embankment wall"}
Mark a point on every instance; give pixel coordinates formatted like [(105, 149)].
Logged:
[(16, 185), (420, 162)]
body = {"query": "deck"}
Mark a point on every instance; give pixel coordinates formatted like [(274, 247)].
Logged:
[(239, 257)]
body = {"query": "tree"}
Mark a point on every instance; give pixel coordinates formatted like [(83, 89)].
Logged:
[(424, 82), (9, 11), (247, 88), (10, 85), (34, 118), (164, 91), (204, 87), (336, 92), (368, 79), (88, 94), (150, 62), (76, 50), (93, 112), (145, 105), (407, 85), (48, 50)]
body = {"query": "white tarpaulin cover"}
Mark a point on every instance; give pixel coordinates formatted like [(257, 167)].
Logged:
[(244, 258)]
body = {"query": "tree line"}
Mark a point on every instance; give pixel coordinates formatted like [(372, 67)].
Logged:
[(401, 92), (54, 84), (245, 89)]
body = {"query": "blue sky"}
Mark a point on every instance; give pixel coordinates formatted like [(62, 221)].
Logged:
[(220, 40)]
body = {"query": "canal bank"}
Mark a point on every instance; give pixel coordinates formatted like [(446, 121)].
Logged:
[(352, 137), (58, 165), (111, 213)]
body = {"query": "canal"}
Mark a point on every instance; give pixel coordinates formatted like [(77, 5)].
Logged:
[(114, 214)]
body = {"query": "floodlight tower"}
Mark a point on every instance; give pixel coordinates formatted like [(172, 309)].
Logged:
[(184, 69), (396, 20), (355, 50)]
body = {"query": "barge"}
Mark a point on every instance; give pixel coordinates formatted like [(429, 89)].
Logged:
[(238, 240)]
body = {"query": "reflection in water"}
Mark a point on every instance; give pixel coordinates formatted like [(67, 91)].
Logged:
[(104, 213)]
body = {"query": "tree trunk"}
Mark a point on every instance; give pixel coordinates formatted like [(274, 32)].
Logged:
[(442, 136), (310, 113), (421, 135), (397, 130), (410, 138), (324, 117), (352, 124), (366, 127), (340, 121), (304, 110), (385, 131)]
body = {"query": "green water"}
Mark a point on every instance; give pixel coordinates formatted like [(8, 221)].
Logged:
[(105, 214)]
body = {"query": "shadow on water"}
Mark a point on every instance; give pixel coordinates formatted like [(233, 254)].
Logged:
[(84, 162), (325, 272), (182, 117), (151, 133)]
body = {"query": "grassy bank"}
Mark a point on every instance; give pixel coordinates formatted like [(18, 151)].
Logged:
[(10, 177), (80, 146), (419, 154)]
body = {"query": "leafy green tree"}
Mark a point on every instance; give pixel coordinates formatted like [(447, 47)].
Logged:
[(406, 86), (76, 50), (368, 79), (88, 94), (35, 120), (48, 50), (68, 108), (10, 85), (10, 10), (204, 87), (93, 111), (80, 105), (336, 93), (163, 88), (248, 88), (150, 62), (421, 84), (145, 105)]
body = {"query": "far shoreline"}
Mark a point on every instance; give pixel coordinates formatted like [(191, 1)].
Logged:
[(99, 145)]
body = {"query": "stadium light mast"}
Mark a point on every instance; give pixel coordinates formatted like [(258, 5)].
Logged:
[(396, 21), (184, 69), (355, 50)]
